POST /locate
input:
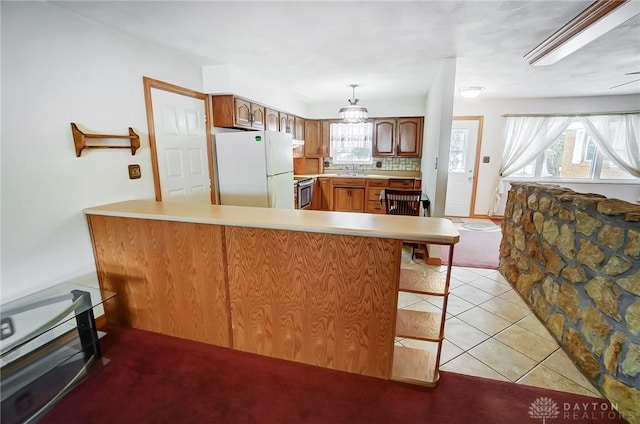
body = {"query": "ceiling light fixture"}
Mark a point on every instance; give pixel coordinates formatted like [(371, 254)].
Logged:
[(599, 18), (470, 92), (353, 113)]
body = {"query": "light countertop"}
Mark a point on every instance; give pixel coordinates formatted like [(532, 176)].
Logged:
[(369, 174), (413, 228)]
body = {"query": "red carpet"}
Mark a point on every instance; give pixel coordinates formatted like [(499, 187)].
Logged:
[(158, 379), (476, 249)]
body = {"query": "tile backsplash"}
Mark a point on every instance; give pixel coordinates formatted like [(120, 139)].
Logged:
[(386, 164)]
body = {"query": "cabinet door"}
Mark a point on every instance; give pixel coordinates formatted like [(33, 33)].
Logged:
[(257, 113), (312, 142), (357, 199), (326, 201), (347, 199), (409, 137), (291, 125), (342, 199), (242, 112), (326, 136), (299, 128), (298, 152), (271, 120), (283, 122), (384, 137)]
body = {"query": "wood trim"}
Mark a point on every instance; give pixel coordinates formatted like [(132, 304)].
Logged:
[(476, 167), (150, 83), (592, 14)]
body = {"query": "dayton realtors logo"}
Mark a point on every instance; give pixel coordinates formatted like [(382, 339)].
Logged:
[(545, 408)]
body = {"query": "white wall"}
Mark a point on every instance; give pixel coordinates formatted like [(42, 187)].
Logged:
[(228, 79), (58, 68), (403, 106), (492, 137)]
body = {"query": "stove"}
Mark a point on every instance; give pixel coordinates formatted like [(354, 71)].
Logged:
[(303, 187)]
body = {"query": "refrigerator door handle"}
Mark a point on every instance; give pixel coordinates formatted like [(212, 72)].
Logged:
[(274, 198)]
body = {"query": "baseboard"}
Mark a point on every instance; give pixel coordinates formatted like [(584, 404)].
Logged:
[(487, 216)]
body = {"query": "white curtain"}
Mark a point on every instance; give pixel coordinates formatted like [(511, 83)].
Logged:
[(525, 137), (618, 137)]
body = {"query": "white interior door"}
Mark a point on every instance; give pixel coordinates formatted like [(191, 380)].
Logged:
[(462, 160), (181, 145)]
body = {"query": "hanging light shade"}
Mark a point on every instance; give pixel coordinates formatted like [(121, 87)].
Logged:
[(353, 113)]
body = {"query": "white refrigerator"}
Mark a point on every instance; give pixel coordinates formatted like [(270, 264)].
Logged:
[(255, 168)]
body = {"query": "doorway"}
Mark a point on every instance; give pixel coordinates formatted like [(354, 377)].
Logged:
[(180, 142), (466, 140)]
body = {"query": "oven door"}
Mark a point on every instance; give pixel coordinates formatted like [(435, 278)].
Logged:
[(305, 193)]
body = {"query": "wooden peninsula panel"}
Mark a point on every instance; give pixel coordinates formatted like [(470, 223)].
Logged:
[(321, 299), (314, 287), (169, 276)]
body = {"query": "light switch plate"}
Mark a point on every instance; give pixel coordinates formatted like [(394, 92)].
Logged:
[(134, 172)]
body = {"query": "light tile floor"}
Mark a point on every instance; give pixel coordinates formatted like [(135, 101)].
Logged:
[(490, 332)]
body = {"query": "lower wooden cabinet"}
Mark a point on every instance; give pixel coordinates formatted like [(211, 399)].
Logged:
[(325, 194), (356, 194), (348, 199), (374, 188)]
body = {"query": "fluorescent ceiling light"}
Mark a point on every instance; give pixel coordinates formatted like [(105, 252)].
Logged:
[(470, 92), (599, 18)]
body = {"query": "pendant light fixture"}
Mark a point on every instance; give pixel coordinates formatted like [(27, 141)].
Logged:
[(353, 113)]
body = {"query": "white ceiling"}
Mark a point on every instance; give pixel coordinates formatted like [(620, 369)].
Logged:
[(390, 48)]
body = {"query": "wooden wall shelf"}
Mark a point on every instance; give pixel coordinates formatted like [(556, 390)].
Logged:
[(80, 140)]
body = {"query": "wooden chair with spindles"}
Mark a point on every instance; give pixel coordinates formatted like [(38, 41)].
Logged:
[(403, 202)]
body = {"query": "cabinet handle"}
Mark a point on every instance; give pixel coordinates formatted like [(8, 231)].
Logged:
[(252, 117)]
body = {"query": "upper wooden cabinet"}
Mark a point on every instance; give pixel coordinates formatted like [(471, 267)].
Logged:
[(326, 136), (410, 133), (298, 128), (291, 125), (312, 138), (287, 124), (271, 121), (298, 152), (398, 136), (230, 111), (384, 137), (391, 136)]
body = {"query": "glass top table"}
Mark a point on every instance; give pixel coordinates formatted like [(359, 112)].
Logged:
[(48, 343), (29, 318)]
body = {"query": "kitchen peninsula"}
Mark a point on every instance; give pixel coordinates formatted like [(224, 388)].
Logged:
[(314, 287)]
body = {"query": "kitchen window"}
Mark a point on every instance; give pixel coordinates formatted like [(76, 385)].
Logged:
[(352, 143)]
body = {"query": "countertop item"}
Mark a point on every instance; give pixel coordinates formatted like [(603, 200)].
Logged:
[(420, 229)]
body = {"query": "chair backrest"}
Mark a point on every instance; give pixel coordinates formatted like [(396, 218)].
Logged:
[(402, 202)]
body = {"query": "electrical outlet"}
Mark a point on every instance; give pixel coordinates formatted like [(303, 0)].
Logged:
[(134, 172)]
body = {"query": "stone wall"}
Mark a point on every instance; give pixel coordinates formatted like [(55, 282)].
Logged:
[(575, 259)]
